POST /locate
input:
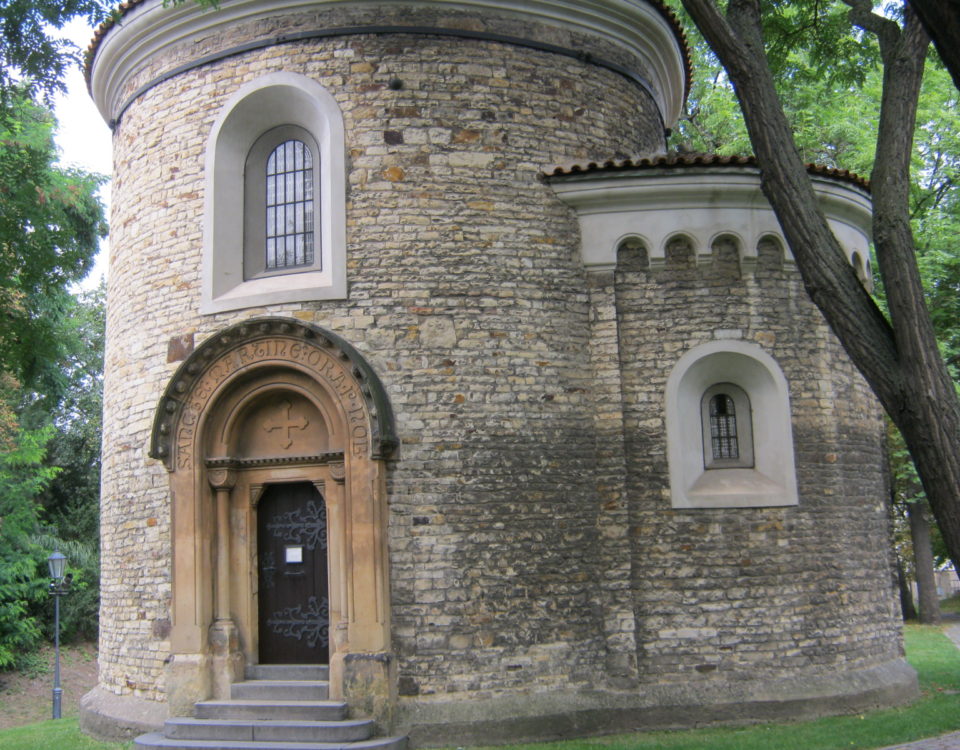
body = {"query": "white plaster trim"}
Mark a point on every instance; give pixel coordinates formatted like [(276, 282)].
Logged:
[(703, 205), (772, 480), (150, 28), (267, 102)]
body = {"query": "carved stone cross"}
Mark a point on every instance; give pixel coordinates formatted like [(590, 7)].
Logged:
[(288, 424)]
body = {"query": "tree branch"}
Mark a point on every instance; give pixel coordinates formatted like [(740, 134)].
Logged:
[(862, 15), (829, 279), (941, 20)]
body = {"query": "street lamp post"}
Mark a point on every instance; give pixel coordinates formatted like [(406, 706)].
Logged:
[(58, 587)]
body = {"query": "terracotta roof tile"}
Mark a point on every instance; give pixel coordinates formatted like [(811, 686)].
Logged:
[(680, 161)]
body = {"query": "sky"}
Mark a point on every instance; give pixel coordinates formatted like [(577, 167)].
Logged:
[(83, 137)]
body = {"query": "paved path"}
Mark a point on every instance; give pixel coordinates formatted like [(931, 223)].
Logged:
[(946, 741)]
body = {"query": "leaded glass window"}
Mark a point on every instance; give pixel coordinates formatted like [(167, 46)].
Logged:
[(727, 423), (723, 427), (289, 206)]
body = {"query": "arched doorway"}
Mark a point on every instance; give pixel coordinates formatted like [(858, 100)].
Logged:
[(268, 425)]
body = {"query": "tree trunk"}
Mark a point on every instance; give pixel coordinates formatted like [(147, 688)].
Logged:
[(941, 19), (900, 360), (923, 564), (907, 609)]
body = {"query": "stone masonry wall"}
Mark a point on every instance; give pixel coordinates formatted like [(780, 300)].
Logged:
[(466, 295), (728, 595), (529, 551)]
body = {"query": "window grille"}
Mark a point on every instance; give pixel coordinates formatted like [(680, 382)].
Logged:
[(289, 206), (723, 427)]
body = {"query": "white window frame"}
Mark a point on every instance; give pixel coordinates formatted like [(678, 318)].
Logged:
[(771, 480), (269, 102)]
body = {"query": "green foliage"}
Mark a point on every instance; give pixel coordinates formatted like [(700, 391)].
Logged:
[(812, 42), (71, 501), (22, 478), (51, 221), (80, 606), (831, 102), (30, 52), (935, 208)]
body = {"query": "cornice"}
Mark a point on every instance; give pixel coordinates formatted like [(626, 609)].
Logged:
[(674, 162), (655, 203), (142, 29), (227, 462)]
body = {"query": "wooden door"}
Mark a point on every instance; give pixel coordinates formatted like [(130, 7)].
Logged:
[(294, 610)]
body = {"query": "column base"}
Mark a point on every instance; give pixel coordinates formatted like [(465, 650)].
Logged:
[(226, 658)]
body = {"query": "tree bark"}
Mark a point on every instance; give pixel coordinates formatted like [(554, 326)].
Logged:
[(923, 564), (907, 609), (900, 360), (941, 19)]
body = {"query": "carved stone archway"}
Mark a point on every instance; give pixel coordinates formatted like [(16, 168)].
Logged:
[(267, 402)]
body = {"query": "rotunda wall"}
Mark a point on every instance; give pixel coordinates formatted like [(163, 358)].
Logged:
[(738, 594), (466, 294)]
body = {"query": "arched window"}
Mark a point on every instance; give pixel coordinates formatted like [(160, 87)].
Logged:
[(723, 427), (290, 206), (280, 195), (726, 422), (729, 431), (275, 214)]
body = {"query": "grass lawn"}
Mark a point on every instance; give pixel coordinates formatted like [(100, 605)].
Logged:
[(933, 655), (62, 734)]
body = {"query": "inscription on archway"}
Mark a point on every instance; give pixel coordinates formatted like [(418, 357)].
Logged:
[(325, 367)]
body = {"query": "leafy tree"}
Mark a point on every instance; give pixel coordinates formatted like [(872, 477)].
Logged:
[(71, 500), (899, 355), (49, 476), (22, 478), (33, 60), (80, 608), (50, 344), (912, 534), (50, 222)]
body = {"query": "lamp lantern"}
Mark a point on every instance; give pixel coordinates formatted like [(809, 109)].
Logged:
[(58, 587), (58, 563)]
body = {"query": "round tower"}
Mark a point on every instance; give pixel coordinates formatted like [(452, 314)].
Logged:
[(386, 392)]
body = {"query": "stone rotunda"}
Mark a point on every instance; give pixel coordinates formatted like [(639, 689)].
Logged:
[(439, 397)]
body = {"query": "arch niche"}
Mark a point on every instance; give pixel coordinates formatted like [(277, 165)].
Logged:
[(265, 405)]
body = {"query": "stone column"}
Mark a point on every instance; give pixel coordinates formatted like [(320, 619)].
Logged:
[(227, 658)]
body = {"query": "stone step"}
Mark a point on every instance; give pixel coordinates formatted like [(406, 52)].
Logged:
[(281, 690), (156, 741), (279, 707), (276, 710), (349, 730), (288, 672)]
